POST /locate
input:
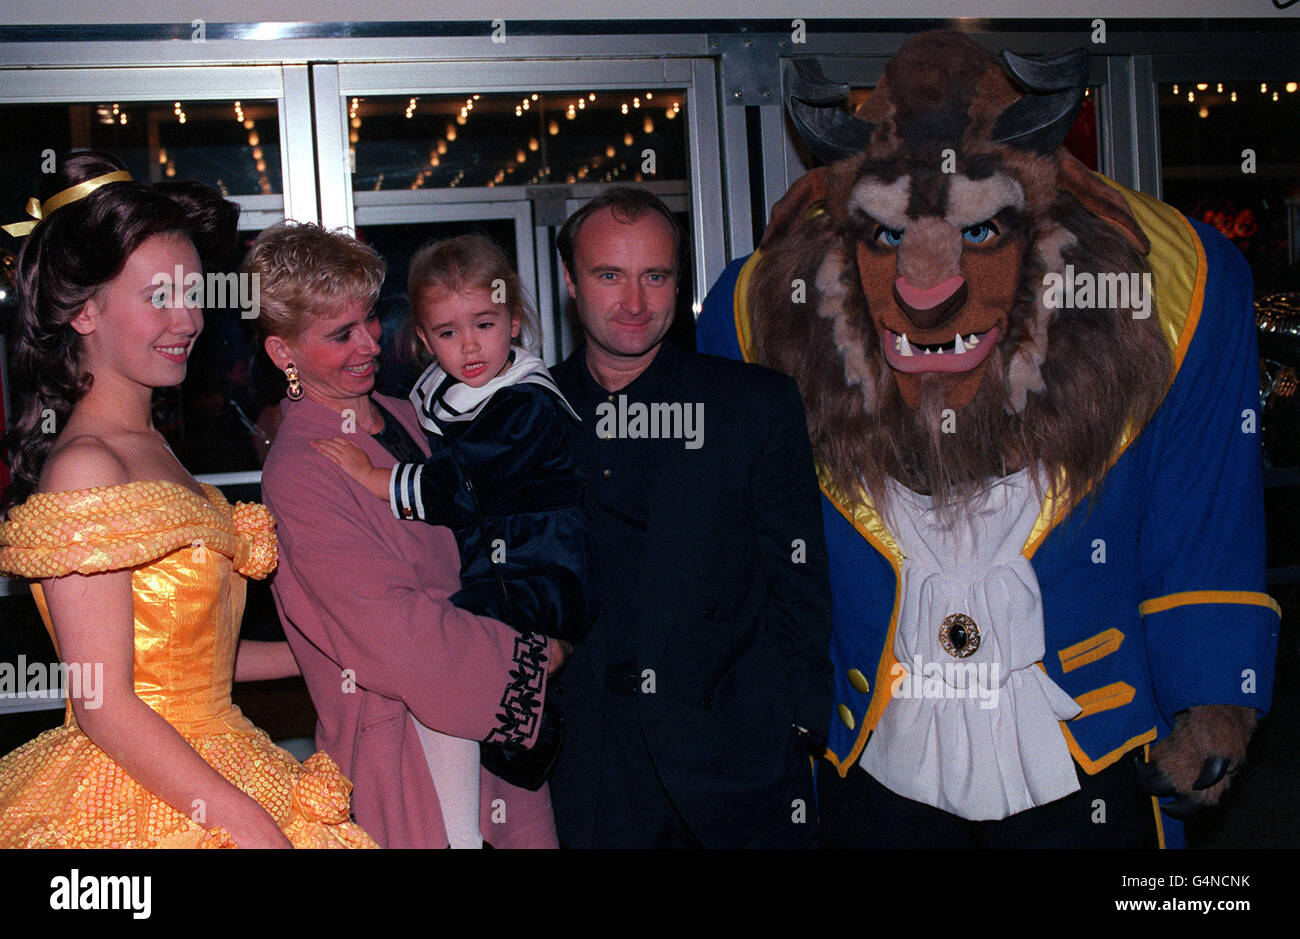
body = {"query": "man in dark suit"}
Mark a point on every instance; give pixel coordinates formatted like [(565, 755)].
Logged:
[(693, 706)]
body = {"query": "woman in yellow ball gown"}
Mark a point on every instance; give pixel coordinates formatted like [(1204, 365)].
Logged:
[(141, 570)]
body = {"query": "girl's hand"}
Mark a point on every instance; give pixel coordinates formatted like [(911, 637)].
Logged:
[(346, 454), (353, 460)]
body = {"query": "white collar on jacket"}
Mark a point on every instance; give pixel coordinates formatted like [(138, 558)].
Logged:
[(440, 399)]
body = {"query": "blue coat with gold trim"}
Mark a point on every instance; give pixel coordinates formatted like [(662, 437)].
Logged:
[(1153, 586)]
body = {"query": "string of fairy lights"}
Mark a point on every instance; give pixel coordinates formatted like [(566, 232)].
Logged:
[(602, 161), (1207, 98), (607, 163), (254, 148), (116, 114)]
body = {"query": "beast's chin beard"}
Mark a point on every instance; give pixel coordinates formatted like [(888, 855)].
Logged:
[(948, 456)]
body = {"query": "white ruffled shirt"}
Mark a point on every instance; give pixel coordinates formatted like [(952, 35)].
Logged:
[(976, 736)]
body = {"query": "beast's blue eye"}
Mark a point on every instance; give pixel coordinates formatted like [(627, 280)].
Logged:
[(889, 236), (979, 233)]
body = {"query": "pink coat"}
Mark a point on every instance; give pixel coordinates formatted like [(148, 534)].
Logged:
[(363, 597)]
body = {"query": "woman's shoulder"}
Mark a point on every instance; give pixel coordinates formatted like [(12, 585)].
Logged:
[(84, 462), (399, 406), (304, 421), (91, 471), (301, 423)]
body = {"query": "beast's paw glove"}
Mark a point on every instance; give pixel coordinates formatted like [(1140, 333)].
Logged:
[(1196, 761)]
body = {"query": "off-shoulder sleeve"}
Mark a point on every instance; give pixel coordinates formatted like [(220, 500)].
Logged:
[(109, 528)]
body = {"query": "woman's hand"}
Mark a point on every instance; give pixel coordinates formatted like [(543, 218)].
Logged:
[(353, 460), (257, 660), (256, 829), (557, 653)]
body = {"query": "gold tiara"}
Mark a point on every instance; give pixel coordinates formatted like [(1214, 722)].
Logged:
[(40, 211)]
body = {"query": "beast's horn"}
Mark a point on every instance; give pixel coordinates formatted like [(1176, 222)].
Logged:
[(1040, 120), (830, 132)]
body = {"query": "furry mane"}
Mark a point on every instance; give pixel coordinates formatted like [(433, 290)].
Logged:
[(1048, 400)]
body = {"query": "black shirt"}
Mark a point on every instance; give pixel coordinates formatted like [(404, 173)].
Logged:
[(618, 472)]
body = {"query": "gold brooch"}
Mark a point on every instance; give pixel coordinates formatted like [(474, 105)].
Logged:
[(959, 635)]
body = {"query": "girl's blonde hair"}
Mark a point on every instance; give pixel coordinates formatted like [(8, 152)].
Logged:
[(464, 263)]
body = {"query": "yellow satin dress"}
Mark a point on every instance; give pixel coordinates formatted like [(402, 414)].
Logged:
[(189, 558)]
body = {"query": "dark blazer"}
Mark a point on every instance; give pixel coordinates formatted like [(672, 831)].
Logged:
[(734, 617)]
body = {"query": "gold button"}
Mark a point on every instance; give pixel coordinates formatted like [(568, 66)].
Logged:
[(858, 681), (610, 399), (607, 473), (846, 716), (408, 513)]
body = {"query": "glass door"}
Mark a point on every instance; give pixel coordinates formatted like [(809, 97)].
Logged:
[(412, 153)]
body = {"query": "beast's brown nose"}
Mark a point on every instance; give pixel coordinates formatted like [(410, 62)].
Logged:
[(933, 316)]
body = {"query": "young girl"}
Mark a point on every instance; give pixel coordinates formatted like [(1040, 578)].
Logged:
[(499, 475), (141, 570)]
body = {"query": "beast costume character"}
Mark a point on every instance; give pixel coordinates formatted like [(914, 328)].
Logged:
[(1033, 398)]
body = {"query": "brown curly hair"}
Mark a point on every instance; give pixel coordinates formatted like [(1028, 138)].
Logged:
[(64, 260)]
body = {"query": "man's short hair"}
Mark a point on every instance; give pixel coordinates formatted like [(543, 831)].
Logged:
[(627, 205)]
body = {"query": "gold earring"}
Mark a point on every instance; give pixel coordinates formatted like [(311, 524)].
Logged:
[(295, 386)]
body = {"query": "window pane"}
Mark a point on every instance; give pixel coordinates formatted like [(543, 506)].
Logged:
[(512, 144), (507, 139), (1228, 154), (223, 416), (232, 145), (1204, 129)]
